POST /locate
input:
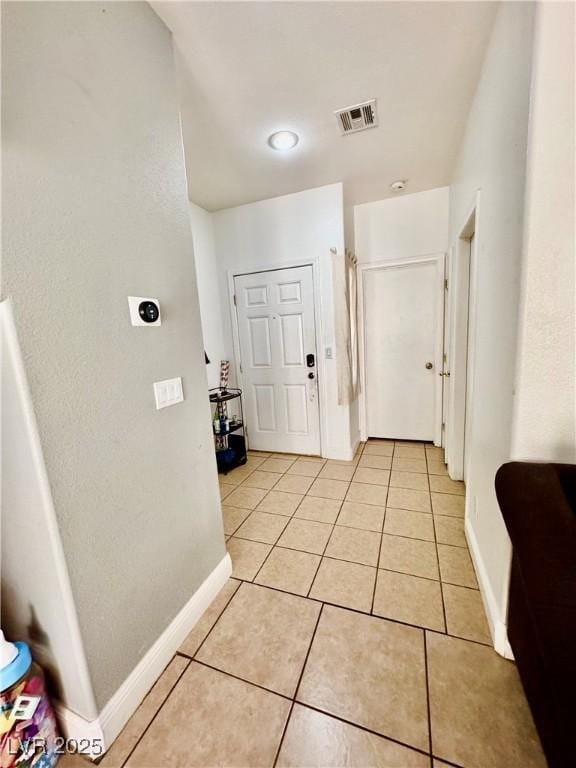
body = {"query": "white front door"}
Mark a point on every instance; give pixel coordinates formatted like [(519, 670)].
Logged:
[(403, 336), (278, 358)]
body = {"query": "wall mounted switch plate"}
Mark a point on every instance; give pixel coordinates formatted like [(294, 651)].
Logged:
[(168, 392)]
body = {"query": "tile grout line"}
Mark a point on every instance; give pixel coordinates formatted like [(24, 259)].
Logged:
[(323, 554), (322, 557), (292, 516), (215, 622), (364, 728), (437, 563), (272, 548), (361, 613), (357, 459), (241, 679), (353, 527), (296, 689), (139, 739), (377, 567), (428, 711), (380, 550), (322, 603), (306, 705), (385, 508)]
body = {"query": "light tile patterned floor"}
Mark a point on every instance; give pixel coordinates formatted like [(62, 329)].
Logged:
[(351, 634)]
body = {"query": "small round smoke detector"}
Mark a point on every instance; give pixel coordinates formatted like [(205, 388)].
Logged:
[(398, 186)]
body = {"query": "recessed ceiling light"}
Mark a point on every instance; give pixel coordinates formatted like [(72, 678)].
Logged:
[(398, 186), (283, 140)]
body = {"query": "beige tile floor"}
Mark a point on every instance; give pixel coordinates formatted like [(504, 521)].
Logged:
[(352, 632)]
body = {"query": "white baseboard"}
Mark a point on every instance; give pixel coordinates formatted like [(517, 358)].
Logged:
[(118, 710), (496, 623), (72, 726)]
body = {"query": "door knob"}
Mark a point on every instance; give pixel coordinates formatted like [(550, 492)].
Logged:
[(310, 375), (428, 366)]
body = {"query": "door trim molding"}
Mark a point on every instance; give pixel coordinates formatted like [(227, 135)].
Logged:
[(460, 389), (313, 262), (438, 259)]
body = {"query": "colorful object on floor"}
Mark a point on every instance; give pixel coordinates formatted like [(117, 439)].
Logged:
[(28, 733)]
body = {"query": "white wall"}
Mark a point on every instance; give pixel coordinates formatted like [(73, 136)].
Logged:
[(544, 420), (402, 227), (212, 310), (399, 228), (492, 159), (284, 231)]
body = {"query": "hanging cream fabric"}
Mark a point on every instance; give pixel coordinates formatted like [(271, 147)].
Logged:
[(345, 284)]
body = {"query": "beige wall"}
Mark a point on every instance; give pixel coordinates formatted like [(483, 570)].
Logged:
[(545, 418), (492, 159), (95, 209)]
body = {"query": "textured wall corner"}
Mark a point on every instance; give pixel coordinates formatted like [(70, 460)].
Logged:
[(95, 209)]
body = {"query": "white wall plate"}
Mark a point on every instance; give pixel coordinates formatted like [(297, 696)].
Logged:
[(168, 392), (134, 303)]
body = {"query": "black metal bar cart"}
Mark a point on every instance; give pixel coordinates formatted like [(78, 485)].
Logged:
[(228, 428)]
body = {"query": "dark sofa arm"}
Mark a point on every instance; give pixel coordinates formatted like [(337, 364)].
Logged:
[(537, 505)]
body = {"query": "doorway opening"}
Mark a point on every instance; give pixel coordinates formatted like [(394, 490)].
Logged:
[(459, 378)]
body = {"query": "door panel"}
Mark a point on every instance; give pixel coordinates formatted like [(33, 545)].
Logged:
[(260, 353), (400, 331), (264, 407), (292, 338), (275, 312), (296, 410)]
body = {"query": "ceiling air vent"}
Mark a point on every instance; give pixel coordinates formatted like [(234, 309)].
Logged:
[(358, 117)]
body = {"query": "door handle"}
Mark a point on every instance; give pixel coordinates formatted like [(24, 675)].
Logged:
[(428, 366)]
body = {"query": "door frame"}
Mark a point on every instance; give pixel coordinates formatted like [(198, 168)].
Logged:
[(446, 351), (438, 259), (462, 308), (318, 332)]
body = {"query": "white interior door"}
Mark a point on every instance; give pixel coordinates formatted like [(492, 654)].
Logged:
[(403, 343), (278, 357)]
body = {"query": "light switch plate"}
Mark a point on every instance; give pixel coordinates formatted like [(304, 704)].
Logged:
[(328, 353), (168, 392)]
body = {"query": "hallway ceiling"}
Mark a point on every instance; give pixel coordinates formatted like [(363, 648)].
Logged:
[(248, 69)]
